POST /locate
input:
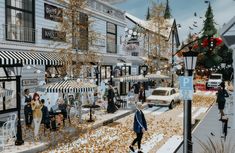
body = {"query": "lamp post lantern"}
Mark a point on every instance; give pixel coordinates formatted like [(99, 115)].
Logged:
[(17, 71), (144, 69), (190, 60)]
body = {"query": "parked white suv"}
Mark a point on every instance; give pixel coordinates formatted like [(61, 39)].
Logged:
[(164, 96), (214, 80)]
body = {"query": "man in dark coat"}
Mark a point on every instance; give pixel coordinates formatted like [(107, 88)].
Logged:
[(27, 108), (140, 126), (45, 115), (136, 88), (111, 106)]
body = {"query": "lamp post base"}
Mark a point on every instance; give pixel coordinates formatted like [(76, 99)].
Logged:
[(19, 141)]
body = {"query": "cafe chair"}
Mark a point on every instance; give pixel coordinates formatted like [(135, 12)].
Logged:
[(5, 134)]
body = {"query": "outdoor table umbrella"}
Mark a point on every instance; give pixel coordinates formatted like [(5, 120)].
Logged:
[(156, 76), (136, 78), (90, 106)]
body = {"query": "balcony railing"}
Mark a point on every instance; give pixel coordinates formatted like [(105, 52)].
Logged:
[(14, 32)]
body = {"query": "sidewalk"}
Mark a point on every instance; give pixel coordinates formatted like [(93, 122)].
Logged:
[(52, 138), (211, 127)]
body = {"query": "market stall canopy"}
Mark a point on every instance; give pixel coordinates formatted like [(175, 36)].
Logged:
[(156, 76), (228, 33), (29, 57), (70, 86), (137, 78)]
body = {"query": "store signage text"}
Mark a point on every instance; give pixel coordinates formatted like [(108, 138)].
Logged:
[(53, 35), (53, 13), (29, 82)]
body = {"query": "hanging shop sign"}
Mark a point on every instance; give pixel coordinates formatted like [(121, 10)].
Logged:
[(29, 82), (49, 34), (53, 13)]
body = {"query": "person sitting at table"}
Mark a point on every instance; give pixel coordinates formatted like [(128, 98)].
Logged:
[(63, 107), (45, 115)]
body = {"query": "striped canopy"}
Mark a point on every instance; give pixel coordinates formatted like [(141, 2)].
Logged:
[(70, 86), (11, 57), (139, 78)]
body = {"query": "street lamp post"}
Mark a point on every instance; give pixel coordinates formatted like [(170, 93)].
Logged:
[(17, 71), (190, 59), (145, 71)]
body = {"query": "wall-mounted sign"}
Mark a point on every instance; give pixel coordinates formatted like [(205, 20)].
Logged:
[(53, 13), (53, 35), (99, 42), (29, 82)]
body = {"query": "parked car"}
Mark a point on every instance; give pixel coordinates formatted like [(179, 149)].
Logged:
[(214, 80), (164, 96)]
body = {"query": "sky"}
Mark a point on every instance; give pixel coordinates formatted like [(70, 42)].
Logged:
[(183, 11)]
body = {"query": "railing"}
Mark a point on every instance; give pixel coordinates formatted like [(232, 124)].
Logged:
[(18, 33)]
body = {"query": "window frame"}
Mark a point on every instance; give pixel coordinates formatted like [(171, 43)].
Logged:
[(111, 33), (24, 11)]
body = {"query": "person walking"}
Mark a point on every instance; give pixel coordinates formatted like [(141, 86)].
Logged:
[(111, 106), (28, 109), (140, 126), (221, 94)]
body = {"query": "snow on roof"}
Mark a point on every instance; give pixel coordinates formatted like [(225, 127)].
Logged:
[(151, 26)]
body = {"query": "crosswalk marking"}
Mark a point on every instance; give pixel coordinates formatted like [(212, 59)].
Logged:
[(152, 142), (149, 110), (171, 144), (160, 111), (182, 114)]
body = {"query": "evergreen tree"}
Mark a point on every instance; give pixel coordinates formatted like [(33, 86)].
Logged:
[(209, 28), (148, 14), (167, 14)]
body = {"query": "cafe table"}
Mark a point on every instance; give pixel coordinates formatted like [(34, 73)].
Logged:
[(90, 106)]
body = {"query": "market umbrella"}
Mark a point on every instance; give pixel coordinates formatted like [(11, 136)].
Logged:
[(156, 76), (136, 78)]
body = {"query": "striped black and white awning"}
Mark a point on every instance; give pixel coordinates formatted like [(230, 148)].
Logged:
[(11, 57), (70, 86)]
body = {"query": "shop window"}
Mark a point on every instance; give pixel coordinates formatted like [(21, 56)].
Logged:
[(20, 22), (111, 38), (106, 71), (7, 96), (83, 32), (134, 54)]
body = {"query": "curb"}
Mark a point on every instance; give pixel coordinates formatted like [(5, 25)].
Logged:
[(95, 126), (196, 124)]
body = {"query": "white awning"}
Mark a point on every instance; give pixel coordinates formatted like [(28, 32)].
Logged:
[(137, 78), (156, 76)]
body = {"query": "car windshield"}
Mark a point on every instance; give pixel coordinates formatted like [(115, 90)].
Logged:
[(159, 92), (215, 77)]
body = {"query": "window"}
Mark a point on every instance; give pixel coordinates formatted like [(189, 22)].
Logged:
[(20, 20), (111, 38), (106, 71), (83, 32), (134, 54)]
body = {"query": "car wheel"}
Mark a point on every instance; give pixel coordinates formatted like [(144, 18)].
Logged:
[(150, 105), (172, 105)]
